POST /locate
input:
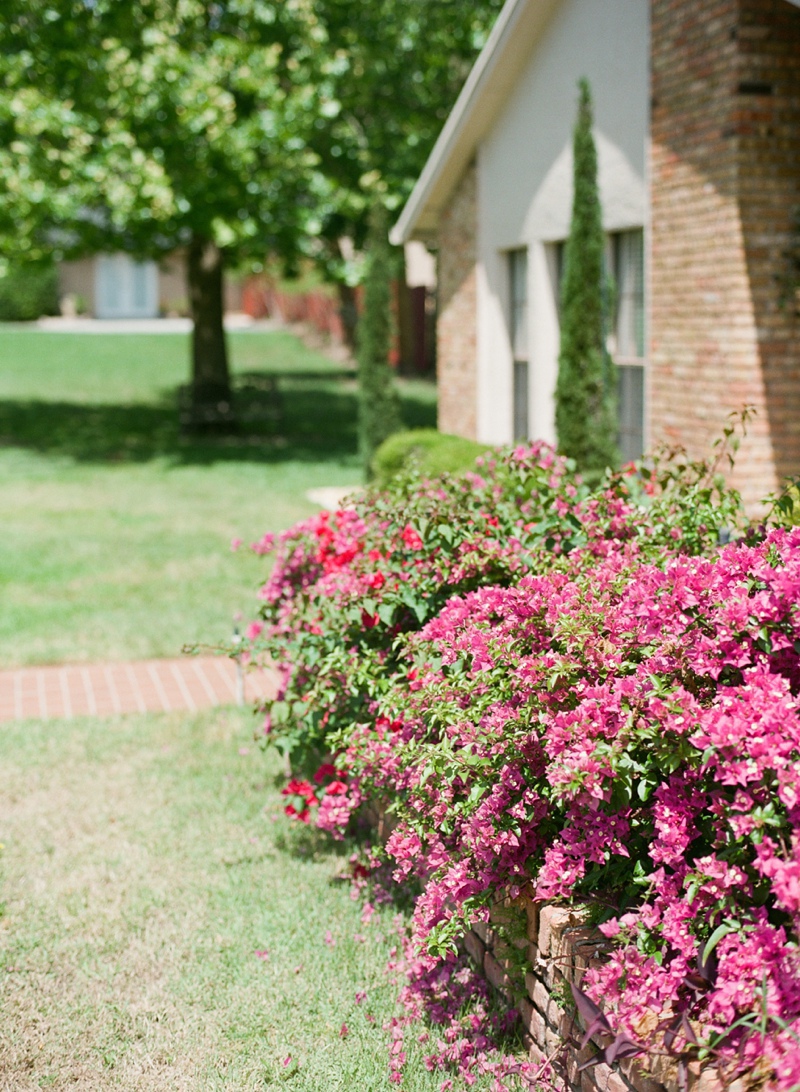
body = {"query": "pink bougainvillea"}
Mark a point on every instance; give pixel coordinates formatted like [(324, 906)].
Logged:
[(571, 695), (625, 732)]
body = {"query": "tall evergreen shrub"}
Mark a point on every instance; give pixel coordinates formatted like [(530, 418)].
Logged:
[(378, 402), (585, 400)]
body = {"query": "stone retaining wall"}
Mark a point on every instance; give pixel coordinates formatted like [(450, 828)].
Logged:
[(553, 946)]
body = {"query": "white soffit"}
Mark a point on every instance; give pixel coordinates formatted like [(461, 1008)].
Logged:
[(488, 85), (420, 265)]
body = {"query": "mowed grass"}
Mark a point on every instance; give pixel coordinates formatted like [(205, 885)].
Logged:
[(116, 529), (146, 862)]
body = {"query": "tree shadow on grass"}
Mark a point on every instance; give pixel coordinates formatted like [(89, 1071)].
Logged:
[(315, 418)]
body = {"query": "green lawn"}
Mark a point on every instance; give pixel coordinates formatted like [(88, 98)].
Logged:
[(116, 530), (146, 862)]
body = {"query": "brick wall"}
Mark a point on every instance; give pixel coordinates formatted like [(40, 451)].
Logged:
[(456, 331), (555, 947), (767, 123), (725, 176)]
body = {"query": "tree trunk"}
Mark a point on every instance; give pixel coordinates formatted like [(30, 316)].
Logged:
[(211, 384)]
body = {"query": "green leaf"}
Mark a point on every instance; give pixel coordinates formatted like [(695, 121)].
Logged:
[(386, 613), (720, 932), (645, 789)]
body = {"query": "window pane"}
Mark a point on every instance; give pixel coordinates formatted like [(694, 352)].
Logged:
[(629, 276), (109, 285), (518, 303), (140, 277), (630, 410), (520, 400)]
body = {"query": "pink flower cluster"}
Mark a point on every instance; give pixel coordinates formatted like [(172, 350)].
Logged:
[(625, 733), (573, 695)]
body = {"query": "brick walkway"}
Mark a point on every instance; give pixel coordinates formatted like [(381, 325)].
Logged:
[(99, 690)]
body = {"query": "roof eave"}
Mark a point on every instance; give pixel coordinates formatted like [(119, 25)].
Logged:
[(488, 85)]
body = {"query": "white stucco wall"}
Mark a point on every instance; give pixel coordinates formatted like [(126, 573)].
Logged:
[(525, 186)]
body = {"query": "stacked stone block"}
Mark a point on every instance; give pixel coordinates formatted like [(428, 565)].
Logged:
[(556, 949)]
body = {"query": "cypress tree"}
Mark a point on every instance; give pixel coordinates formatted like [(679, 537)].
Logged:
[(585, 396), (378, 402)]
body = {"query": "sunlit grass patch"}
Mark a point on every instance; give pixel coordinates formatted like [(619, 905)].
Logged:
[(146, 864), (116, 527)]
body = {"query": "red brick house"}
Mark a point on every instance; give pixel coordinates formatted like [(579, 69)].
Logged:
[(697, 122)]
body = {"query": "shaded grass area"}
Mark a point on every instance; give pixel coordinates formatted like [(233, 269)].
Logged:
[(116, 527), (145, 863), (113, 398)]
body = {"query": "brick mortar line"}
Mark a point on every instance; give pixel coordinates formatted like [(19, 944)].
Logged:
[(187, 697), (18, 696), (162, 696), (116, 704), (200, 673), (42, 696), (137, 693), (229, 685), (89, 691), (65, 694)]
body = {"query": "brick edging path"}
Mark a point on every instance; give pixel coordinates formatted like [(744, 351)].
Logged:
[(141, 686)]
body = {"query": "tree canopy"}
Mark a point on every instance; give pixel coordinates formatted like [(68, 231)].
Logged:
[(230, 129), (386, 82), (247, 120), (141, 125)]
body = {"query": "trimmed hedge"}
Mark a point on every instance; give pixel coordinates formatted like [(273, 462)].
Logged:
[(430, 452)]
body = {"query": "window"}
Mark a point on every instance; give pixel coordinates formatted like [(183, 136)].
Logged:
[(626, 340), (627, 250), (140, 276), (125, 288), (518, 331)]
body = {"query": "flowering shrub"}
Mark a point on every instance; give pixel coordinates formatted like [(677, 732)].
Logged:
[(573, 695), (347, 586), (630, 735)]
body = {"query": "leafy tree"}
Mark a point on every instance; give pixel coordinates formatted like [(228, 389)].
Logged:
[(378, 404), (585, 409), (227, 129), (155, 127), (385, 81)]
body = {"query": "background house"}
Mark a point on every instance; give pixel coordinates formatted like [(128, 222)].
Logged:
[(697, 123), (118, 286)]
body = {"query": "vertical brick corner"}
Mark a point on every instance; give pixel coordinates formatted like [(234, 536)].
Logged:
[(457, 324), (725, 128)]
